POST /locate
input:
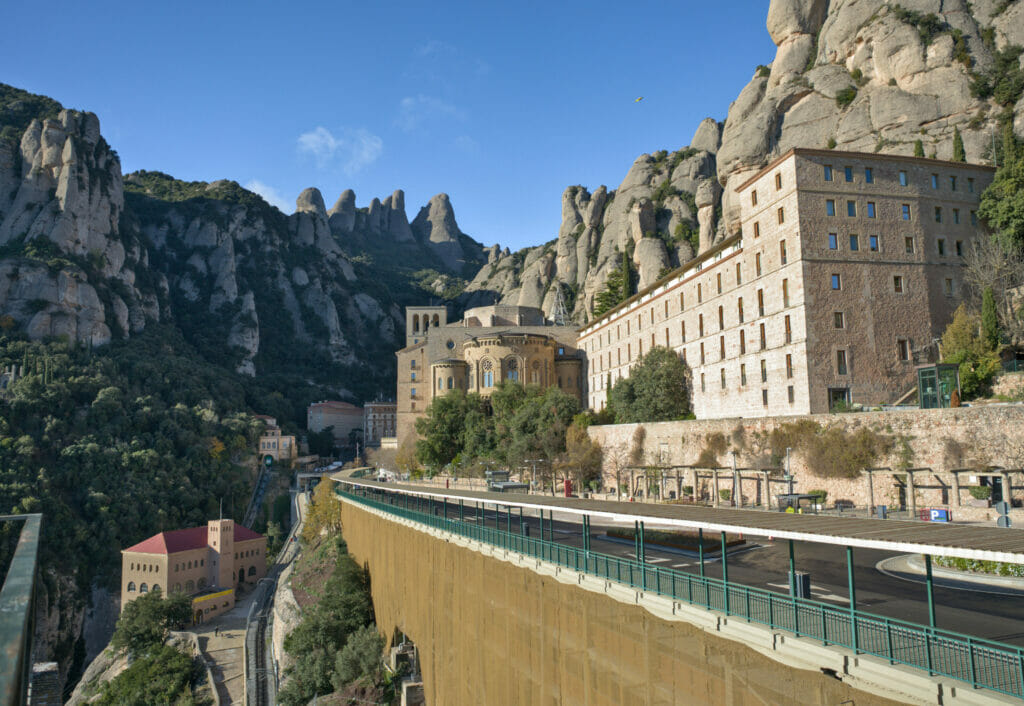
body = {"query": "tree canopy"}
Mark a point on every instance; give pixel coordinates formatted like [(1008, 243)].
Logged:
[(965, 343), (656, 390), (146, 622)]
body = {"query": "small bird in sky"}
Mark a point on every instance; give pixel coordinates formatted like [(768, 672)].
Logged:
[(639, 99)]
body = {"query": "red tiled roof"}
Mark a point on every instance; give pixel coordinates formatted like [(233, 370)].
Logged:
[(184, 540)]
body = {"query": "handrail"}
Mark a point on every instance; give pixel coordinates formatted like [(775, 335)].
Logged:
[(16, 612), (979, 662)]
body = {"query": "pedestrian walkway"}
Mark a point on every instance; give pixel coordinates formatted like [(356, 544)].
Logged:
[(910, 567), (222, 641)]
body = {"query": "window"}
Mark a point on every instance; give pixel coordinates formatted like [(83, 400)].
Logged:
[(721, 319), (952, 183), (828, 172), (938, 214), (413, 377), (739, 309), (764, 339), (848, 172), (739, 274), (764, 370), (757, 229), (757, 264), (871, 209), (782, 215), (897, 284), (722, 373), (959, 248), (837, 282), (131, 587), (830, 207), (778, 181), (940, 244), (682, 302), (753, 197), (839, 319), (702, 358), (873, 243), (700, 296), (903, 349), (785, 292), (851, 208), (854, 242), (841, 363), (764, 398), (721, 347), (743, 374), (970, 184), (974, 218), (935, 181), (703, 383), (782, 252), (760, 302), (440, 384), (903, 178), (789, 330), (700, 324), (143, 588), (488, 378), (905, 211), (718, 282), (451, 383), (833, 241), (682, 330), (956, 215), (666, 308), (789, 365), (908, 243), (413, 393), (947, 288), (743, 342), (869, 178), (412, 364)]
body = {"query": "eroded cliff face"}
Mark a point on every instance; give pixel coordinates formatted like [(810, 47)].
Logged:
[(854, 75)]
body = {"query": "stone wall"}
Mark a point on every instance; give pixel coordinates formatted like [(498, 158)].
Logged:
[(490, 632), (937, 439)]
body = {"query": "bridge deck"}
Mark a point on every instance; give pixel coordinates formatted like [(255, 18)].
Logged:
[(937, 539)]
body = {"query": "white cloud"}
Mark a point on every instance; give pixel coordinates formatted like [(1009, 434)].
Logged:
[(269, 194), (353, 149), (414, 110)]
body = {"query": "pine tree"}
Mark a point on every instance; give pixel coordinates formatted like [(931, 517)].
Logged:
[(989, 319), (959, 155), (918, 148)]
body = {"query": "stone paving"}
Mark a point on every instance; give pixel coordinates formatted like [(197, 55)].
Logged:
[(222, 641)]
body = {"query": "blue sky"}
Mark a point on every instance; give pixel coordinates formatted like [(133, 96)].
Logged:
[(502, 106)]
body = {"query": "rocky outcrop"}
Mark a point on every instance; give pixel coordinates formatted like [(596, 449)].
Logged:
[(435, 226)]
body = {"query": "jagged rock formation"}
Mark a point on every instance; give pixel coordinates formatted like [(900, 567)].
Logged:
[(856, 75)]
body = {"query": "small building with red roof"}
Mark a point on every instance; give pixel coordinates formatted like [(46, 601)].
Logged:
[(207, 563)]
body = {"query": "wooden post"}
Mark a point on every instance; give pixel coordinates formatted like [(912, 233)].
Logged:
[(696, 484), (911, 499), (1007, 489), (716, 499), (871, 491), (956, 489)]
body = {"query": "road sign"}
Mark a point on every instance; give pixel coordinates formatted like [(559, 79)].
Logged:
[(939, 515), (1003, 507), (1003, 521)]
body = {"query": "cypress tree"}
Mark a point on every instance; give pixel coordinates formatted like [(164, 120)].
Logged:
[(989, 319), (959, 155), (918, 148)]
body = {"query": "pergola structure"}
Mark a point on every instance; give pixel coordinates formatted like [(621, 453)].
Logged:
[(764, 476), (910, 484)]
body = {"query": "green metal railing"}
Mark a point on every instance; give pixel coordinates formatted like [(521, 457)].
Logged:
[(981, 663), (16, 612)]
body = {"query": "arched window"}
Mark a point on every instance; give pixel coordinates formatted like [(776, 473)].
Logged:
[(190, 565), (177, 588), (156, 587), (252, 570), (488, 372), (190, 586), (512, 371), (144, 588), (131, 587), (416, 323), (440, 383), (436, 321), (535, 372), (202, 583), (451, 382)]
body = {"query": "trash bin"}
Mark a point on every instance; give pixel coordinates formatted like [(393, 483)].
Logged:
[(800, 584)]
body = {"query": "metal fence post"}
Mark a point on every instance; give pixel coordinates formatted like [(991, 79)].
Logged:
[(725, 576), (853, 598)]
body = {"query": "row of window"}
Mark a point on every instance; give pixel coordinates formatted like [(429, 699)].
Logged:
[(189, 565), (132, 566), (905, 213), (869, 178)]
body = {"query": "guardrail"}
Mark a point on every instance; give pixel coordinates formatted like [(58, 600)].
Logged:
[(16, 611), (981, 663)]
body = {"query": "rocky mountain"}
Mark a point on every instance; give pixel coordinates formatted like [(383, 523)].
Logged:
[(91, 255), (856, 75)]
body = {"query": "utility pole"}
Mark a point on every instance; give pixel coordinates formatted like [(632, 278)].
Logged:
[(789, 471)]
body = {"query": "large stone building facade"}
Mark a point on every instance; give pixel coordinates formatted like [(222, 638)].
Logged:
[(343, 418), (845, 273), (378, 422), (490, 344), (206, 563)]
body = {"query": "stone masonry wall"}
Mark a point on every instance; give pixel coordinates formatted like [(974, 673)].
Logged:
[(939, 439)]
